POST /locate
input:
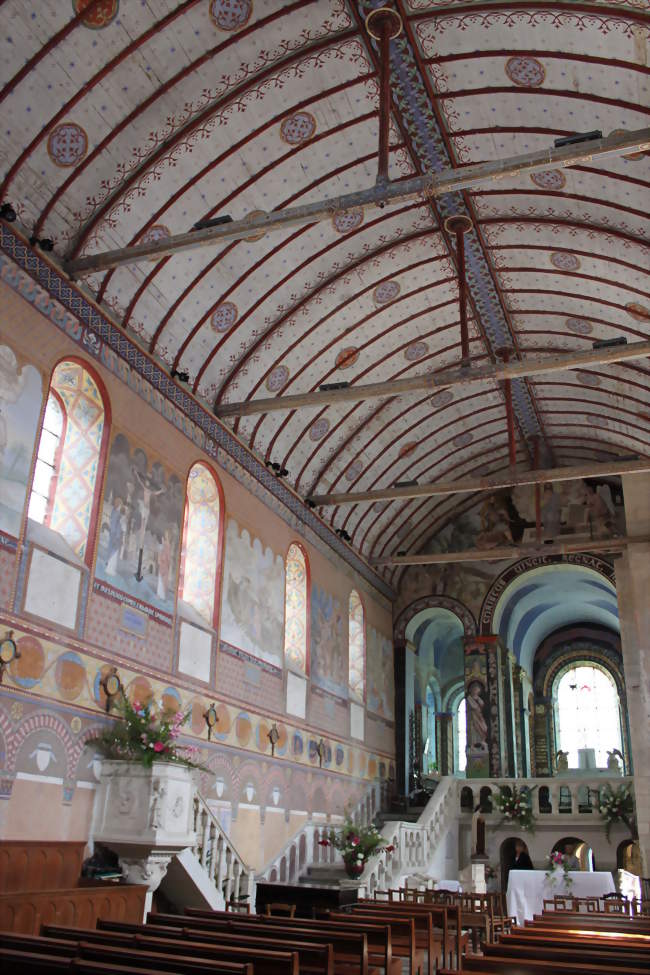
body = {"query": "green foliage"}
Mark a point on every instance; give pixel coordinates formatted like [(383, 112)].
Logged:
[(145, 734)]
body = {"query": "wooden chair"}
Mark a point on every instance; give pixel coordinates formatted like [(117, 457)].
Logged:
[(280, 910)]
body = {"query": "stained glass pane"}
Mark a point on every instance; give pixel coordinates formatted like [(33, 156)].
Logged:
[(461, 729), (295, 610), (588, 713), (200, 555), (357, 647), (79, 458)]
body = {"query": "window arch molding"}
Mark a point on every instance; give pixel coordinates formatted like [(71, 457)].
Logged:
[(102, 450), (292, 646), (453, 698), (218, 545)]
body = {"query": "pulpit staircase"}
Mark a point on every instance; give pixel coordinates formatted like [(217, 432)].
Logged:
[(210, 874), (415, 833)]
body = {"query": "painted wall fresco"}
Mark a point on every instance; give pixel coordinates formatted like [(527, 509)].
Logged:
[(380, 676), (21, 394), (329, 656), (140, 526), (252, 609)]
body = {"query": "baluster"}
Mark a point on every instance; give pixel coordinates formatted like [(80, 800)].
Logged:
[(205, 837), (211, 840), (219, 864), (195, 819), (236, 878), (554, 799), (229, 859)]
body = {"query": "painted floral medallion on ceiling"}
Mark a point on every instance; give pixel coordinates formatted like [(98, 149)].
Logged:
[(224, 317), (564, 261), (230, 14), (416, 351), (347, 357), (319, 428), (96, 13), (443, 398), (463, 439), (353, 471), (67, 144), (588, 379), (385, 292), (579, 326), (298, 128), (549, 179), (344, 221), (526, 72), (638, 312), (277, 378)]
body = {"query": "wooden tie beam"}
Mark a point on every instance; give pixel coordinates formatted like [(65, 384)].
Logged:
[(444, 379), (471, 485), (511, 552), (382, 193)]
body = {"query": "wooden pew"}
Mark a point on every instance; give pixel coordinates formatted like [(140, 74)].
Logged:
[(446, 918), (411, 936), (315, 958), (570, 951), (277, 960), (380, 948), (350, 949), (621, 948), (65, 942), (35, 963)]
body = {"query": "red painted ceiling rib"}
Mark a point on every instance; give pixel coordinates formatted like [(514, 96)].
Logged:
[(187, 129), (146, 103), (564, 56), (84, 91), (56, 39), (307, 298), (223, 157), (322, 350), (382, 431), (415, 316)]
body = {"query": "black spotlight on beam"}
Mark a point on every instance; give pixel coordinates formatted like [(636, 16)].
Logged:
[(310, 503), (183, 377), (7, 212), (45, 243)]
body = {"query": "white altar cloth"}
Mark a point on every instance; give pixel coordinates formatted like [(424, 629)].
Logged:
[(527, 889)]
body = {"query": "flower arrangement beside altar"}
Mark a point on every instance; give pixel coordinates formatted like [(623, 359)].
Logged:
[(145, 734), (516, 806), (617, 806), (356, 844), (556, 861)]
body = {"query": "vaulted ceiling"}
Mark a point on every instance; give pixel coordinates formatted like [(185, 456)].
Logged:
[(132, 120)]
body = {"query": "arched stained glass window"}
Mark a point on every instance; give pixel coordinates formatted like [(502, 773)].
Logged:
[(356, 647), (461, 733), (295, 610), (69, 450), (587, 713), (201, 551)]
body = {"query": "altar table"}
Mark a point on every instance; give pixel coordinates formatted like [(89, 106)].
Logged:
[(527, 889)]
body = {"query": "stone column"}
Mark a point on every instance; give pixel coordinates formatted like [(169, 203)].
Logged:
[(401, 714), (445, 738), (632, 586)]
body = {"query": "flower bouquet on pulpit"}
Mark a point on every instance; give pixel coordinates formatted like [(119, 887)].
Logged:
[(356, 844)]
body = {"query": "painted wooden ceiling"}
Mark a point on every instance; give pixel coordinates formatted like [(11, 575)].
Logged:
[(131, 120)]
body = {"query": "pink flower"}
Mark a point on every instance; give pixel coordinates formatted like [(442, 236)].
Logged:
[(136, 706), (159, 747), (389, 849)]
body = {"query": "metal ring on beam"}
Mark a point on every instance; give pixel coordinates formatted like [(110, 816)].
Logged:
[(375, 17), (458, 223)]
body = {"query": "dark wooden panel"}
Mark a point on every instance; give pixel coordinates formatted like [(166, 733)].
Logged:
[(24, 912), (307, 897), (39, 865)]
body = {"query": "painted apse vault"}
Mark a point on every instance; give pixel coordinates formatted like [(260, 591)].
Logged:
[(129, 613)]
